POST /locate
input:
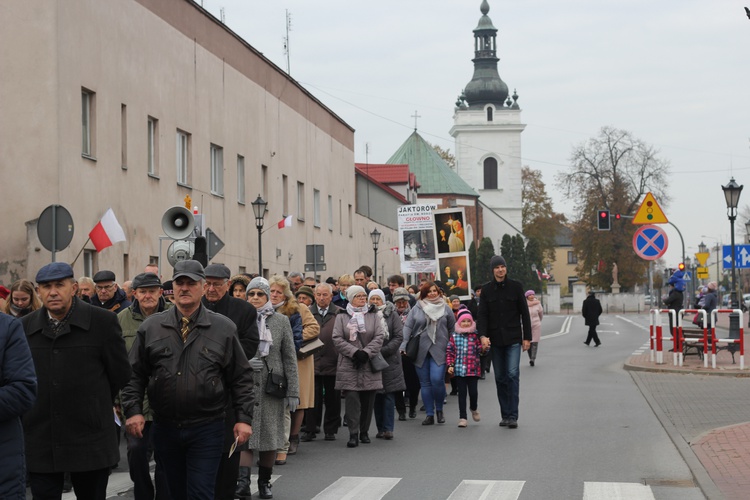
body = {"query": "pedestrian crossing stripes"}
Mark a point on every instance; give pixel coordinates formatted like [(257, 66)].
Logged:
[(349, 488), (633, 491), (645, 347), (486, 490)]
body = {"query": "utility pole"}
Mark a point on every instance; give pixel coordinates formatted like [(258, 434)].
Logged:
[(286, 42)]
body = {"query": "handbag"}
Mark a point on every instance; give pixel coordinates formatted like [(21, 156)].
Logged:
[(378, 363), (310, 347), (275, 384), (412, 347)]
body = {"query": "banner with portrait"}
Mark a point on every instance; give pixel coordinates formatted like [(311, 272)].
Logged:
[(452, 251), (417, 238)]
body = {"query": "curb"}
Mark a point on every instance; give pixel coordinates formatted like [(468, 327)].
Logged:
[(628, 366), (700, 475)]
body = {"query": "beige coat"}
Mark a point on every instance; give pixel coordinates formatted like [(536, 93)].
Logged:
[(306, 367)]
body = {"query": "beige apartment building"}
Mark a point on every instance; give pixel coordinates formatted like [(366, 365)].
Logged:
[(136, 104)]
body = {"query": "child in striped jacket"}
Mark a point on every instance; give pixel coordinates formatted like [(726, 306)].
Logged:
[(462, 358)]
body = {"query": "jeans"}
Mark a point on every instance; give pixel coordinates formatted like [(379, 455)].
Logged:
[(190, 457), (505, 361), (384, 411), (466, 385), (138, 463), (89, 485), (432, 381)]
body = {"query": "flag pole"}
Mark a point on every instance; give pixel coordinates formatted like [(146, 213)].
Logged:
[(80, 252)]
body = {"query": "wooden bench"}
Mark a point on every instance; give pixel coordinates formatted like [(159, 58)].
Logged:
[(693, 340)]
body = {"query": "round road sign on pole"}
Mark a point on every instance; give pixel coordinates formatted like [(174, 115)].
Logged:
[(650, 242), (55, 228)]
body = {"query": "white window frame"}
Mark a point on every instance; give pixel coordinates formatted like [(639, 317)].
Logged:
[(153, 146), (240, 179), (183, 157), (300, 201), (217, 170), (316, 208), (88, 104), (330, 212)]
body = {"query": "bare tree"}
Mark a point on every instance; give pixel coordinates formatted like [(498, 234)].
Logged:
[(612, 171)]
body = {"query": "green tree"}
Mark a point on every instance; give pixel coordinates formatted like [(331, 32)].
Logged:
[(481, 272), (472, 263), (534, 260), (612, 171)]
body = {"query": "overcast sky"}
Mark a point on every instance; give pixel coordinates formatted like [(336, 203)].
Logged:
[(675, 73)]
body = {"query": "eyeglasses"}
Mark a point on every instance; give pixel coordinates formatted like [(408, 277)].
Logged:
[(105, 287), (256, 294), (360, 296)]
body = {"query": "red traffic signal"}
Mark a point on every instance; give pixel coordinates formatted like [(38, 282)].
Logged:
[(603, 220), (617, 216), (681, 266)]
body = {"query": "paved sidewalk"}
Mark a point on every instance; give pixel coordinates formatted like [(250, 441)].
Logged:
[(706, 416)]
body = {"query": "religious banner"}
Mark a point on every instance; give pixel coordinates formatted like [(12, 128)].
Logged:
[(452, 251), (417, 238)]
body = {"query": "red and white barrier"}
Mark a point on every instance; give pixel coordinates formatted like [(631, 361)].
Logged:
[(656, 334), (740, 341), (681, 335)]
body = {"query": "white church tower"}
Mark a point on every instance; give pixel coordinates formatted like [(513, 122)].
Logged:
[(487, 129)]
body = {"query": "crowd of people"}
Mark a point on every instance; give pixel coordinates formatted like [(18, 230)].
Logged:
[(212, 374)]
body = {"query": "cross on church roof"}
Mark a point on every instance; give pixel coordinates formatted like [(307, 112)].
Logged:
[(415, 116)]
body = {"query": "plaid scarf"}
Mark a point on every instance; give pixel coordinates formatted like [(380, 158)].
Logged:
[(57, 325)]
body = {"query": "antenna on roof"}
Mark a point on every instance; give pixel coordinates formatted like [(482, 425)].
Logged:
[(286, 41), (221, 15)]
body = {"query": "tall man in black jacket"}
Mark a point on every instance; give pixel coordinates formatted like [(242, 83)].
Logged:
[(216, 298), (191, 361), (504, 327)]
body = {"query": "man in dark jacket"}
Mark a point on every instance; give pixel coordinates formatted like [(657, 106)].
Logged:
[(147, 300), (17, 395), (108, 293), (504, 326), (191, 361), (216, 298), (81, 363), (324, 312), (591, 310), (675, 299)]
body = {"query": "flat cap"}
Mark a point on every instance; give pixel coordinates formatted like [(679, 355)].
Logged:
[(54, 271), (218, 271), (400, 293), (306, 290), (104, 276), (145, 280), (190, 268)]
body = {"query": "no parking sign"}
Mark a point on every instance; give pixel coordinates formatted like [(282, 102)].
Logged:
[(650, 242)]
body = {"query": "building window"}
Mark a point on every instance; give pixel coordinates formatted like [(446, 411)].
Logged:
[(285, 195), (153, 146), (88, 123), (124, 136), (490, 173), (264, 181), (300, 201), (240, 179), (351, 223), (341, 218), (89, 262), (489, 113), (183, 158), (572, 258), (316, 208), (217, 170), (330, 213)]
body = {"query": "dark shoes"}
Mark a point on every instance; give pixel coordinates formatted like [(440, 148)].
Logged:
[(353, 441), (586, 343), (453, 393), (243, 483), (402, 416), (330, 437), (512, 424), (379, 435), (504, 422), (364, 438), (307, 437), (428, 420), (387, 435), (531, 362), (440, 417), (264, 482), (597, 345), (412, 413)]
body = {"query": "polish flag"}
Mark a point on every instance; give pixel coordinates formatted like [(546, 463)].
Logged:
[(394, 250), (107, 232), (285, 222)]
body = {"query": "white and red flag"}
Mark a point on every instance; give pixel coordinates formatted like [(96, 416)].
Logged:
[(107, 232), (285, 222), (394, 250)]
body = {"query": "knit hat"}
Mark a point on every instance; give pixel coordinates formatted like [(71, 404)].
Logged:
[(261, 284), (306, 290), (167, 288), (377, 293), (400, 293), (352, 291), (453, 297), (529, 292), (713, 285), (496, 260), (464, 314)]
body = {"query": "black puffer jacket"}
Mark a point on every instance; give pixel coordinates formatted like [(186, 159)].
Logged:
[(188, 383)]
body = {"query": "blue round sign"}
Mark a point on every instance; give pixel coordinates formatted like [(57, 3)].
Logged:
[(650, 242)]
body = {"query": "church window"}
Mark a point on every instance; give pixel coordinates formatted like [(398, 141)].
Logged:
[(489, 113), (490, 173)]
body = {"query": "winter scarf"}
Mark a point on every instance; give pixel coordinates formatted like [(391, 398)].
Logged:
[(434, 309), (266, 341)]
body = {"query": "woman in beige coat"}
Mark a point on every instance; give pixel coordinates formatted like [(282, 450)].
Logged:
[(305, 328)]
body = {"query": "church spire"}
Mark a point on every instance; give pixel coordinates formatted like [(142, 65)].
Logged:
[(486, 86)]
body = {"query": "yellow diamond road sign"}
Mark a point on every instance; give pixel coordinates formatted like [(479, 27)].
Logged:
[(650, 212)]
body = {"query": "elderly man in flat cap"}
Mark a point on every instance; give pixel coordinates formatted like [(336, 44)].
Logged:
[(81, 363), (216, 298), (191, 360), (109, 295), (148, 300)]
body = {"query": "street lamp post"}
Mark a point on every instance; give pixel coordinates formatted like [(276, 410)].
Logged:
[(259, 209), (375, 235), (732, 195)]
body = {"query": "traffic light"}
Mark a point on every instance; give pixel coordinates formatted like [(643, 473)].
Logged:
[(681, 266), (617, 216), (603, 220)]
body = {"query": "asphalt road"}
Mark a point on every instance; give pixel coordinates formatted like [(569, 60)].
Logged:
[(585, 432)]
